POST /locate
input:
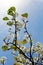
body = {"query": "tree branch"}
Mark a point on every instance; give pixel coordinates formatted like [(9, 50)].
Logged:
[(30, 42)]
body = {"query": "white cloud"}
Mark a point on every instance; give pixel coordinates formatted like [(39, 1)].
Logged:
[(5, 4)]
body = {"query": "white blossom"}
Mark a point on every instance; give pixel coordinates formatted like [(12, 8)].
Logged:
[(3, 59)]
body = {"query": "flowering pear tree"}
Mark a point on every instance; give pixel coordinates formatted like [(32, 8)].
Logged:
[(23, 55)]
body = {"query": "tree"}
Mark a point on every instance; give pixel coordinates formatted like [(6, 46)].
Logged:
[(25, 56)]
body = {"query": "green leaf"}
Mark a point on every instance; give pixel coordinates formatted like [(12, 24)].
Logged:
[(5, 18), (11, 11), (14, 47), (24, 41), (10, 23), (15, 58), (4, 48), (25, 15)]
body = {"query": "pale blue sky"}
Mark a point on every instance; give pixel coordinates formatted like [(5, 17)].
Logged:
[(35, 27)]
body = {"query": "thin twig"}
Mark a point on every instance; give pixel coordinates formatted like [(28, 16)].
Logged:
[(30, 43)]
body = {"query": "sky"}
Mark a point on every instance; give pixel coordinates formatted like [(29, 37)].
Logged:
[(35, 27)]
